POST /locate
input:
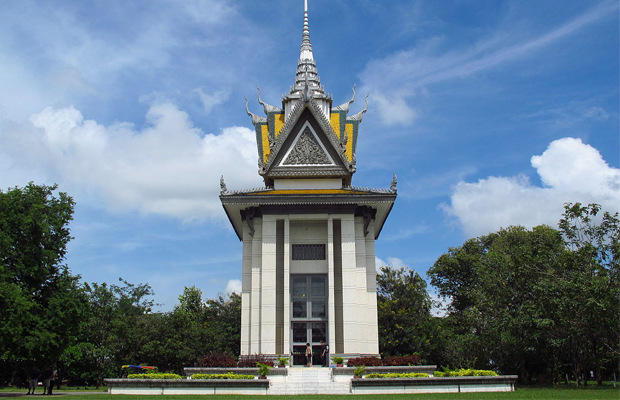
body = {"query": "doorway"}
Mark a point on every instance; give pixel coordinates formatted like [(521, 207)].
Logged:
[(308, 316)]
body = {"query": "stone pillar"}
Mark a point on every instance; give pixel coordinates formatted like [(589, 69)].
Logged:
[(371, 292), (255, 313), (287, 286), (331, 296), (246, 290), (349, 289), (268, 286), (361, 286)]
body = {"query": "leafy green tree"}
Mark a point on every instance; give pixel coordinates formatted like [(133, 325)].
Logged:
[(500, 305), (40, 299), (110, 334), (403, 313), (592, 284)]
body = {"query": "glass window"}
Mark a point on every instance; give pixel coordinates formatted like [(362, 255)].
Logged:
[(300, 332), (318, 285), (318, 331), (299, 286), (318, 309), (299, 309)]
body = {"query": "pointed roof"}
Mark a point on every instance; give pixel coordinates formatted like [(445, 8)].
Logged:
[(307, 74)]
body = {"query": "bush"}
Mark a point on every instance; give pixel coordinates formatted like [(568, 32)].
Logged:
[(395, 375), (215, 360), (251, 361), (157, 375), (229, 375), (413, 359), (465, 372), (366, 361)]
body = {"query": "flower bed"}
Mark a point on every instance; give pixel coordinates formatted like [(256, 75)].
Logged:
[(395, 375), (229, 375), (154, 376)]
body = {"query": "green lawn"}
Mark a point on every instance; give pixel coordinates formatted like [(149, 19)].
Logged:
[(590, 393)]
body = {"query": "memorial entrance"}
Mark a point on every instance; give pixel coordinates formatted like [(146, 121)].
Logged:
[(309, 315)]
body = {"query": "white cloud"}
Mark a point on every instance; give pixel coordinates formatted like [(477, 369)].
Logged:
[(393, 80), (169, 167), (597, 113), (233, 286), (394, 109), (392, 262), (570, 170), (211, 100)]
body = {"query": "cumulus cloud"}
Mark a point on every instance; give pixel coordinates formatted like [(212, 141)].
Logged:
[(168, 167), (233, 286), (211, 100), (392, 262), (570, 170), (394, 109)]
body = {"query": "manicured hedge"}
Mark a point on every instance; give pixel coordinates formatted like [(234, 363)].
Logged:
[(229, 375), (154, 376), (215, 360), (465, 372), (250, 361), (395, 375), (365, 361), (390, 361)]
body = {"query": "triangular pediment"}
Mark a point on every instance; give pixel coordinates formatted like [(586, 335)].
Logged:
[(306, 150), (307, 147)]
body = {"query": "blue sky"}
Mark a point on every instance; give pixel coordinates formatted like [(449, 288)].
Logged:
[(491, 113)]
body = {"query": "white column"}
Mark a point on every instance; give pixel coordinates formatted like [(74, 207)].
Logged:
[(360, 283), (287, 288), (268, 286), (255, 313), (371, 291), (246, 291), (331, 308), (349, 288)]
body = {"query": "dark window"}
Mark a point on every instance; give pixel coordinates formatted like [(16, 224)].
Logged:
[(308, 252)]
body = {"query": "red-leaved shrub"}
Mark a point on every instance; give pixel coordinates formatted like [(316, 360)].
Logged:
[(217, 360), (366, 361), (413, 359), (250, 361)]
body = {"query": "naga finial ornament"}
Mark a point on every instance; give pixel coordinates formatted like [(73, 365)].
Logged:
[(345, 106), (223, 188), (393, 185), (359, 115), (267, 108), (255, 118)]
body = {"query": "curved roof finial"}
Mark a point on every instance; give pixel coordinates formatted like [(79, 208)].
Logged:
[(255, 118), (359, 115), (345, 106), (267, 108)]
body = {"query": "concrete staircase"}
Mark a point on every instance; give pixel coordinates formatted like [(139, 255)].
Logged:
[(314, 380)]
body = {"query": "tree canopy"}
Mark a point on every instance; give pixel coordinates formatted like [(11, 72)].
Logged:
[(41, 301)]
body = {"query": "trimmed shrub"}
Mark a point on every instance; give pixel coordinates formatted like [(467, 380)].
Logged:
[(465, 372), (365, 361), (229, 375), (157, 375), (217, 360), (413, 359), (395, 375), (250, 361)]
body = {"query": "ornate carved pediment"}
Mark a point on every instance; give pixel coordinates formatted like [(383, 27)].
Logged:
[(307, 150)]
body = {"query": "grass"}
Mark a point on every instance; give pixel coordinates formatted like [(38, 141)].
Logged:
[(589, 393)]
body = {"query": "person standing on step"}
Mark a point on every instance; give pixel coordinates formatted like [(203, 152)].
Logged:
[(324, 354), (308, 355)]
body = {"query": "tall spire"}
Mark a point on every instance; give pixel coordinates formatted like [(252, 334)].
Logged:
[(306, 78)]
